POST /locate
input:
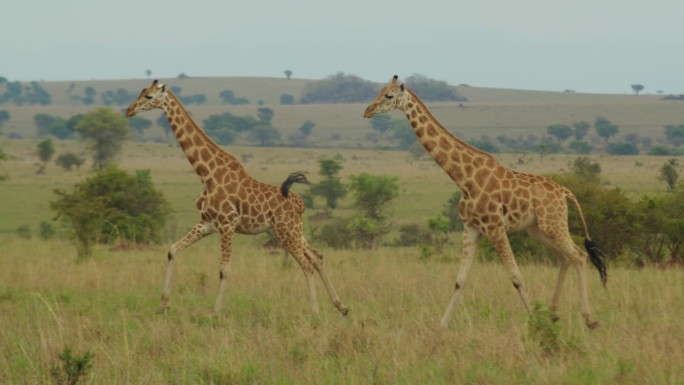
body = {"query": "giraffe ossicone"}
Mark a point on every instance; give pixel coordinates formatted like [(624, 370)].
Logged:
[(232, 201), (496, 201)]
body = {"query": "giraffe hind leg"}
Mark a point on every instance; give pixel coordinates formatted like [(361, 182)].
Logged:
[(562, 244), (197, 232), (539, 236), (289, 240), (317, 259)]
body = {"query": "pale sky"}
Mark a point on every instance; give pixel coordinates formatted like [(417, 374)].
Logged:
[(598, 46)]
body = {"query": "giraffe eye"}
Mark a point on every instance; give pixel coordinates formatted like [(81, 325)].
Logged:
[(388, 96), (148, 97)]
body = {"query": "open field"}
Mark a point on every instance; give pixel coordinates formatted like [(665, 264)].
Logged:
[(424, 188), (106, 306), (265, 335)]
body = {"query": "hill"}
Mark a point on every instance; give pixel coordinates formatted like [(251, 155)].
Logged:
[(488, 112)]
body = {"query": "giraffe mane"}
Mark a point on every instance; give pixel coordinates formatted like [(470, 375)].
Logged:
[(418, 101)]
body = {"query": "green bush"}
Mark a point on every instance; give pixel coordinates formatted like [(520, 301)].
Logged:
[(337, 234), (74, 367), (612, 218), (112, 206)]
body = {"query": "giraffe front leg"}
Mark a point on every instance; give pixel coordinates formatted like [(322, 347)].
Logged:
[(503, 248), (197, 232), (226, 246), (471, 239)]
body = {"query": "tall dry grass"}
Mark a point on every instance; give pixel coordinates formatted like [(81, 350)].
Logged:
[(266, 335)]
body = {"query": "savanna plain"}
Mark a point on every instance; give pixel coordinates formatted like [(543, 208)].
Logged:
[(105, 307)]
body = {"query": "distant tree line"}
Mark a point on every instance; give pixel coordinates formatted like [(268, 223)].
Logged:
[(344, 88), (15, 92), (560, 138)]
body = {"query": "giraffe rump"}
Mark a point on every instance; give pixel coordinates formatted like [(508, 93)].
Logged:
[(595, 257), (295, 177)]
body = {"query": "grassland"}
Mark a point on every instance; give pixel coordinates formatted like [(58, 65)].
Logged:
[(106, 305)]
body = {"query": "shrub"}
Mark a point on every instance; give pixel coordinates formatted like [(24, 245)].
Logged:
[(112, 206), (337, 234), (339, 88), (611, 217), (74, 367)]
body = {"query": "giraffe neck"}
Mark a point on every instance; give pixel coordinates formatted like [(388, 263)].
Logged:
[(457, 158), (202, 152)]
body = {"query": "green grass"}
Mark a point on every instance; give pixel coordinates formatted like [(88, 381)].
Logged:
[(265, 335), (106, 306), (424, 187)]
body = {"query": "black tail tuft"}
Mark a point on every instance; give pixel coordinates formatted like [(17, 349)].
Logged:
[(295, 177), (595, 256)]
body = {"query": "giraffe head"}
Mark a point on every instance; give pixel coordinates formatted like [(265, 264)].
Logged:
[(392, 97), (150, 98)]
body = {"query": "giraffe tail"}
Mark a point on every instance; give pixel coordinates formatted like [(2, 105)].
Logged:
[(592, 249), (595, 257), (295, 177)]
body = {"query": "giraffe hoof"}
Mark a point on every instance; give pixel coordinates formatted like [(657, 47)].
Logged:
[(163, 310), (344, 310), (555, 318), (592, 324)]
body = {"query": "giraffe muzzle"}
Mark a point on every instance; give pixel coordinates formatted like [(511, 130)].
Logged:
[(370, 111)]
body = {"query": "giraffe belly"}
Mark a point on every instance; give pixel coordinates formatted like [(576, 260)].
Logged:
[(519, 223), (252, 228)]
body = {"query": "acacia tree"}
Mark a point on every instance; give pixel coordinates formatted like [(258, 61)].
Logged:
[(605, 128), (46, 150), (330, 188), (373, 193), (104, 131), (669, 174), (560, 132), (581, 129), (637, 88)]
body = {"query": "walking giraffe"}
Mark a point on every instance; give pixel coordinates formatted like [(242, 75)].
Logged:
[(232, 201), (496, 201)]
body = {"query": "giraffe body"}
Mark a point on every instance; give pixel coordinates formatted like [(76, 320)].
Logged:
[(496, 201), (232, 201)]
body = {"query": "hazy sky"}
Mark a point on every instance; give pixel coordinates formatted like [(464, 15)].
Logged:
[(586, 45)]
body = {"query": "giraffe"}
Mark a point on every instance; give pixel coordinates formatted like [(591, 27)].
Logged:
[(232, 201), (496, 201)]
